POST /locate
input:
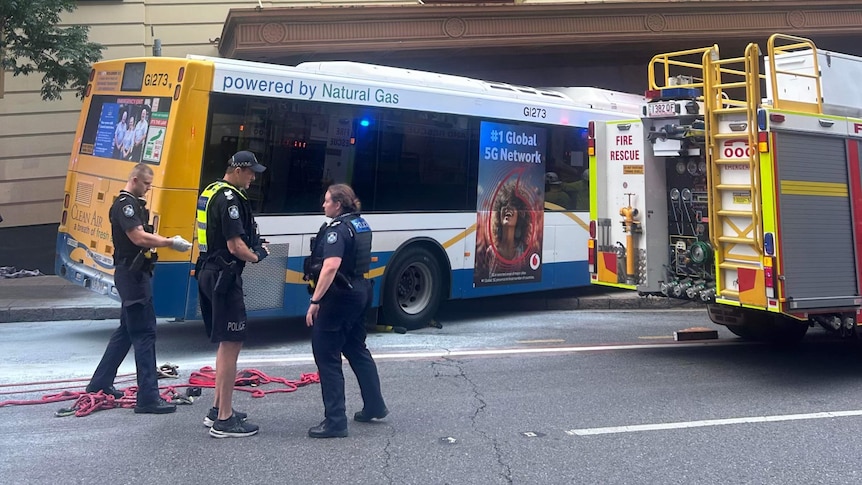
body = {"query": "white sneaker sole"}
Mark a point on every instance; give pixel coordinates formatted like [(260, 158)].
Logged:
[(223, 434)]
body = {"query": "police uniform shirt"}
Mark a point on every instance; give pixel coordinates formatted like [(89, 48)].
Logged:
[(126, 213), (230, 212), (339, 241), (336, 238)]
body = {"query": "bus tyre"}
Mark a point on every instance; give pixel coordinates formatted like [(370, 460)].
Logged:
[(413, 289)]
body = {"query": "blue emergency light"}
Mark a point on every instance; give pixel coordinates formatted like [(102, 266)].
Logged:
[(672, 93)]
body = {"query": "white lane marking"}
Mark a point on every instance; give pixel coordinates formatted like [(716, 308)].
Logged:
[(710, 422), (437, 354), (541, 341)]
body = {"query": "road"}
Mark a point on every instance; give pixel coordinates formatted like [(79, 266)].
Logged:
[(524, 398)]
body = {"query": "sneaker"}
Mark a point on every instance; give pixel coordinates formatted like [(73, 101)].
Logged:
[(212, 416), (365, 417), (232, 428), (108, 391)]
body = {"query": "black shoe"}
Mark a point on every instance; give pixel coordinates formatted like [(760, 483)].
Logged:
[(365, 417), (159, 407), (108, 391), (212, 416), (233, 428), (324, 430)]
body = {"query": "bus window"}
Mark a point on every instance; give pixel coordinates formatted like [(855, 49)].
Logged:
[(397, 160), (423, 162), (567, 160)]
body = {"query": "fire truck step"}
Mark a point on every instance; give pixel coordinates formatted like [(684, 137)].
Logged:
[(736, 265), (731, 161), (734, 213), (736, 240), (733, 109), (733, 187)]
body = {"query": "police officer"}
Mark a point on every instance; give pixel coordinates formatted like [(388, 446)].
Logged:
[(133, 266), (227, 239), (341, 296)]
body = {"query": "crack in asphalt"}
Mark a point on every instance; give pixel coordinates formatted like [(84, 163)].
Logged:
[(506, 472), (387, 460)]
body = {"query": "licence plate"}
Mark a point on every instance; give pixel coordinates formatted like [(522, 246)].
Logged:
[(661, 109)]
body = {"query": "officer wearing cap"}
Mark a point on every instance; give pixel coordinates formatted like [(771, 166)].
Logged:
[(227, 239), (340, 257), (133, 266)]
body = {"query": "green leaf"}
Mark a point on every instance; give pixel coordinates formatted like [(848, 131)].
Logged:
[(31, 42)]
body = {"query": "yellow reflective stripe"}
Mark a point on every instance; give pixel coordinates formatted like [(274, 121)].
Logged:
[(458, 237), (823, 189)]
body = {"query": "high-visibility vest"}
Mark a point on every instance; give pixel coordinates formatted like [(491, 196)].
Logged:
[(203, 208)]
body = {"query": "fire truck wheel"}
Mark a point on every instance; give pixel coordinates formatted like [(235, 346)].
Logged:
[(787, 330), (776, 329), (742, 331)]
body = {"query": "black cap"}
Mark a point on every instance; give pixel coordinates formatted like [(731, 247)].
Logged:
[(246, 158)]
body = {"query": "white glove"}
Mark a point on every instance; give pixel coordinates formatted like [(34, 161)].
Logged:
[(180, 244)]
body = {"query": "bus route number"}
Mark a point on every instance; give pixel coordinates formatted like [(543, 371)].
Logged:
[(157, 79), (535, 112)]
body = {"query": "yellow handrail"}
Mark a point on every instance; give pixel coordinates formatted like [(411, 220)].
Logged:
[(782, 44), (677, 59)]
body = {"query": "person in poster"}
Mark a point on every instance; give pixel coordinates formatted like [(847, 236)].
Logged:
[(510, 216), (120, 133), (141, 133), (128, 140), (511, 229)]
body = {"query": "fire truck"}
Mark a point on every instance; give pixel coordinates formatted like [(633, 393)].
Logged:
[(737, 188)]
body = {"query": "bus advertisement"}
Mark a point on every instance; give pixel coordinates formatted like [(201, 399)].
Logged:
[(452, 174)]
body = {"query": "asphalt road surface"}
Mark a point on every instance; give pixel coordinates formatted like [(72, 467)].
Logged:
[(527, 398)]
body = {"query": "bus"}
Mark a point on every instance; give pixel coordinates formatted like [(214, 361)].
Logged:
[(451, 173)]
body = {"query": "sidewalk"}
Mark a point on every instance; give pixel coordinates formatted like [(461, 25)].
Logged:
[(47, 298), (50, 298)]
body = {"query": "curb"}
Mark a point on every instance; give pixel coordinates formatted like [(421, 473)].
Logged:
[(522, 303), (12, 315)]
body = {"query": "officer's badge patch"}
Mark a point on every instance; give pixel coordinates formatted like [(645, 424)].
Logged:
[(228, 194), (128, 211), (233, 212), (332, 237)]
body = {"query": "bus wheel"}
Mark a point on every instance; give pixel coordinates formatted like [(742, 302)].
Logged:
[(413, 289)]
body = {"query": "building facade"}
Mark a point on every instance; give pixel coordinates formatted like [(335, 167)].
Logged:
[(603, 43)]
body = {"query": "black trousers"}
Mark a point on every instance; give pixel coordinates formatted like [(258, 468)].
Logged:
[(137, 328), (340, 329)]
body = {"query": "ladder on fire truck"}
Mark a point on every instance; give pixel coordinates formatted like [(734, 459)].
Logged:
[(731, 99)]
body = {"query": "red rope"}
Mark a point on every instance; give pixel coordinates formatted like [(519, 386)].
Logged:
[(248, 380)]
